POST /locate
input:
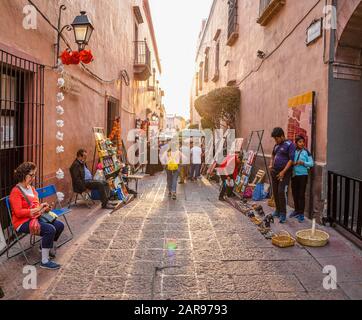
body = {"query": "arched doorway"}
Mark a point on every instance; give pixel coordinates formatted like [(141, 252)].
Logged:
[(344, 121)]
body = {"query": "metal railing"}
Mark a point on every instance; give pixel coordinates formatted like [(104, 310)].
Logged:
[(233, 16), (142, 53), (345, 202)]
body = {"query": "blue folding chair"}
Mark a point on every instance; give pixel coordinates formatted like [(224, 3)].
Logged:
[(51, 191), (18, 238)]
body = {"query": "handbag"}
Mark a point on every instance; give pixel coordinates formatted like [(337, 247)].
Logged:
[(48, 217)]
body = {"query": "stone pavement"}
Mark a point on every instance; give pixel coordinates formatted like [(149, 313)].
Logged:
[(192, 248)]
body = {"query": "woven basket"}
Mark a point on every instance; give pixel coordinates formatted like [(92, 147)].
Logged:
[(283, 240), (320, 238)]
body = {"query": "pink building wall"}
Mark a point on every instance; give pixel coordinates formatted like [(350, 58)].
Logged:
[(113, 48)]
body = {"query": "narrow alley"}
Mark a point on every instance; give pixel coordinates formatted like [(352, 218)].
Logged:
[(190, 249)]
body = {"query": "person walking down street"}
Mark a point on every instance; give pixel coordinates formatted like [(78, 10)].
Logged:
[(196, 155), (185, 163), (281, 171), (171, 160), (27, 211), (303, 162)]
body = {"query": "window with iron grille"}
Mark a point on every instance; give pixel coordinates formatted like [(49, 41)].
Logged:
[(200, 77), (232, 22), (21, 121), (217, 63), (206, 68), (268, 9)]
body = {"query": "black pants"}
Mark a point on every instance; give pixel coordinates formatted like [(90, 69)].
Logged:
[(280, 190), (102, 188), (224, 189), (299, 187)]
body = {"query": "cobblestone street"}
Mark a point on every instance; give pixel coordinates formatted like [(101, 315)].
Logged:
[(192, 248)]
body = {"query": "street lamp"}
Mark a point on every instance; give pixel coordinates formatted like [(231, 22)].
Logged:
[(83, 30), (82, 27)]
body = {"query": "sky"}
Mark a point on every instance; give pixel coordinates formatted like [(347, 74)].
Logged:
[(177, 26)]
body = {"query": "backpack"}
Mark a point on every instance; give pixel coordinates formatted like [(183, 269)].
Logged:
[(172, 165)]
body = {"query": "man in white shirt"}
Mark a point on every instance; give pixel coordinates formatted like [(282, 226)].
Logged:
[(196, 153), (185, 162)]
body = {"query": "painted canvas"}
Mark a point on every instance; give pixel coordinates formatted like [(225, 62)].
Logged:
[(300, 117)]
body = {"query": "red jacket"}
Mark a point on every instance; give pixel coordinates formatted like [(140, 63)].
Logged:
[(20, 207)]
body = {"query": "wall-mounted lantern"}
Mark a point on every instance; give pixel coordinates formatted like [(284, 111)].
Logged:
[(83, 30)]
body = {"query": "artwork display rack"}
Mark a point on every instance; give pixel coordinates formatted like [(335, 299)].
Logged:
[(249, 159)]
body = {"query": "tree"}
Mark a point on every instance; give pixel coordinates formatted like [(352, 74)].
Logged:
[(219, 107)]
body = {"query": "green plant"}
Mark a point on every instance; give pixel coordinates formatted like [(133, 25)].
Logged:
[(219, 107)]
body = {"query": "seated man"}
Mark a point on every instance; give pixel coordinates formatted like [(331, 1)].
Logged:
[(82, 180)]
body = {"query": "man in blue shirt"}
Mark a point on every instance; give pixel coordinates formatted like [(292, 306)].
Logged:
[(281, 171)]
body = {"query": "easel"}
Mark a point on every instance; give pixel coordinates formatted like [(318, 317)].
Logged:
[(260, 136)]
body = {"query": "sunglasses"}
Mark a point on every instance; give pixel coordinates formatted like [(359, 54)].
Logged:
[(33, 175)]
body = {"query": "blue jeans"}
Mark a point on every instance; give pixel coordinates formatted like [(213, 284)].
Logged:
[(195, 171), (172, 177), (48, 232)]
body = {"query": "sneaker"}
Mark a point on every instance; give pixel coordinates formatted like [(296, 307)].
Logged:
[(283, 218), (50, 266), (294, 214), (170, 194), (174, 197), (276, 214), (301, 218)]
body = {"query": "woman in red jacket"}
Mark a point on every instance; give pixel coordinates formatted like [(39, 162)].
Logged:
[(26, 206)]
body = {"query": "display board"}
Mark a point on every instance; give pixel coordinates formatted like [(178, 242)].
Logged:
[(107, 153)]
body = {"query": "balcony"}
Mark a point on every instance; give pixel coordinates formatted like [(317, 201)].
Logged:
[(233, 27), (142, 64), (268, 9)]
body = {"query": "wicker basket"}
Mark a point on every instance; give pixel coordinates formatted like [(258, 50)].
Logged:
[(283, 240), (305, 238)]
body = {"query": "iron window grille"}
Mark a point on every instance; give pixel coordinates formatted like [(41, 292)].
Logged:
[(232, 20), (21, 122)]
